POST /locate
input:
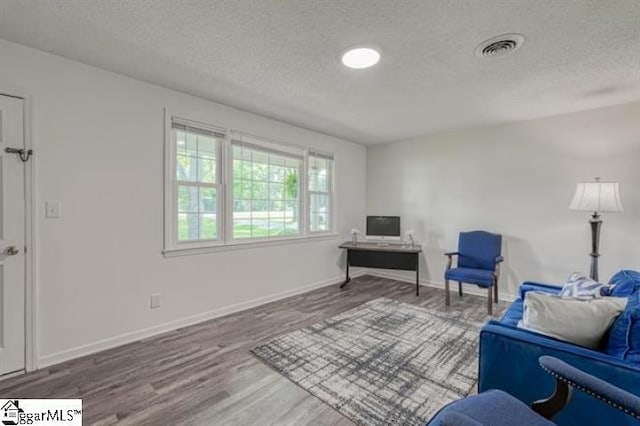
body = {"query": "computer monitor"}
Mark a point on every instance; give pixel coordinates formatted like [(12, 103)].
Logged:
[(383, 228)]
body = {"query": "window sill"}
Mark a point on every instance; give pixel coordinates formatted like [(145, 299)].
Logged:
[(248, 245)]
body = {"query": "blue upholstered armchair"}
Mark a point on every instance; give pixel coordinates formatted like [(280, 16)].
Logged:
[(498, 408), (479, 257)]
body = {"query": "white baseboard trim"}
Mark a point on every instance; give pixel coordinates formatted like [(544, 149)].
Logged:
[(112, 342), (12, 375), (393, 275)]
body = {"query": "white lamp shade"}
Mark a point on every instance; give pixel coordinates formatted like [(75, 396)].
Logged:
[(597, 197)]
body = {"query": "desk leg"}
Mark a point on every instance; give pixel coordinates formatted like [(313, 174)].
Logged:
[(417, 275), (348, 278)]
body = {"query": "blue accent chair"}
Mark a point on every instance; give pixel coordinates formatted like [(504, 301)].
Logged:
[(479, 257), (498, 408)]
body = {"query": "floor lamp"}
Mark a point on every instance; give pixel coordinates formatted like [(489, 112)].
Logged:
[(596, 197)]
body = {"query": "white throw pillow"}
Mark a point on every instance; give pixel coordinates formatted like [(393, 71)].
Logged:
[(583, 322)]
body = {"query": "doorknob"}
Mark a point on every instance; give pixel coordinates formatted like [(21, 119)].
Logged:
[(11, 251)]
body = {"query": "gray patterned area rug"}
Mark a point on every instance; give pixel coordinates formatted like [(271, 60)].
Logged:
[(384, 362)]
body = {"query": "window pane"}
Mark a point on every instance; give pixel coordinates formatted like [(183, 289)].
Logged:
[(260, 190), (291, 184), (208, 229), (276, 207), (323, 184), (259, 230), (192, 144), (196, 155), (207, 170), (242, 189), (197, 169), (241, 228), (251, 224), (291, 225), (276, 226), (320, 170), (279, 161), (236, 152), (260, 171), (276, 173), (320, 211), (188, 226), (187, 199), (292, 207), (313, 181), (318, 222), (276, 191), (181, 144), (265, 193), (239, 168), (259, 207), (206, 147), (187, 168), (208, 201), (197, 213)]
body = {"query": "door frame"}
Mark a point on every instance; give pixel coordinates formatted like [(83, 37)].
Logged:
[(31, 294)]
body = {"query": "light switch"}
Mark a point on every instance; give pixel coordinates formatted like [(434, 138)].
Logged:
[(155, 300), (53, 209)]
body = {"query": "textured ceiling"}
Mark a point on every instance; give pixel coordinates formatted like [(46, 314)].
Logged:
[(281, 58)]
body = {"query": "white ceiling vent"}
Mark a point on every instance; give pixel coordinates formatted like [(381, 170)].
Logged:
[(499, 45)]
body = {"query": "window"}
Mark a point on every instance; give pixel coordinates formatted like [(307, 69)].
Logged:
[(266, 191), (225, 187), (320, 191), (196, 183)]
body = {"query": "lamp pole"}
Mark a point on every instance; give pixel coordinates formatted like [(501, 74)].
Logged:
[(596, 224)]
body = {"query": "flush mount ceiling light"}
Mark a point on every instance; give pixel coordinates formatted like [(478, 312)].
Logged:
[(499, 45), (360, 57)]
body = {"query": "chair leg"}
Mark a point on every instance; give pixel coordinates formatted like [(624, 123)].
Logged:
[(489, 302), (446, 293), (460, 288), (495, 292)]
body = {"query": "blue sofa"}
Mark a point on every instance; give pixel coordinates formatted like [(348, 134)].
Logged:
[(509, 362)]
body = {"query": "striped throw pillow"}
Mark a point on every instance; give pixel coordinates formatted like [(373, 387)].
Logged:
[(580, 287)]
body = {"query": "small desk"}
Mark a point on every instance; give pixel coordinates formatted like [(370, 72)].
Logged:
[(390, 256)]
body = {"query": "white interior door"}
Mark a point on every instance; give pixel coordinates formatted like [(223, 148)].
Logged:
[(12, 237)]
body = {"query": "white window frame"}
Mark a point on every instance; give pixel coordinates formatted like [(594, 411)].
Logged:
[(225, 241), (331, 192), (238, 137), (172, 184)]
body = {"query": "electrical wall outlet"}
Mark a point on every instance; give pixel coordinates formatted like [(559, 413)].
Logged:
[(53, 210), (155, 300)]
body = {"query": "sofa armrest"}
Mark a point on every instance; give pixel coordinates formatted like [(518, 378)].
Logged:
[(509, 362), (534, 286), (604, 391)]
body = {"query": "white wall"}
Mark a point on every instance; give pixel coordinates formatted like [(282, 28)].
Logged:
[(99, 151), (517, 180)]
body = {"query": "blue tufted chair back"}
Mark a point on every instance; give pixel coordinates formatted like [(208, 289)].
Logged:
[(479, 249)]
